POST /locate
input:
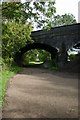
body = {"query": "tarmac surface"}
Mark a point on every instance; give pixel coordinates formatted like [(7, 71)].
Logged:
[(41, 93)]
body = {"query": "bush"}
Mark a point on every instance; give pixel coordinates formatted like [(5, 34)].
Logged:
[(72, 56), (14, 36)]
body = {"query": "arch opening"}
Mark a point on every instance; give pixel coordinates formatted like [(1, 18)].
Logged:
[(36, 57), (39, 46)]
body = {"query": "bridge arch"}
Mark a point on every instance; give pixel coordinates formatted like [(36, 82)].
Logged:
[(48, 48)]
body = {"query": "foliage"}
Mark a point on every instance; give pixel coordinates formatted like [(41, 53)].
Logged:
[(54, 65), (44, 55), (72, 56), (39, 13), (30, 56), (53, 68), (34, 55), (65, 19), (15, 36)]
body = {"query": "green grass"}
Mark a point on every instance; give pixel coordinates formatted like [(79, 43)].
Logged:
[(41, 62), (53, 68), (31, 62), (6, 75)]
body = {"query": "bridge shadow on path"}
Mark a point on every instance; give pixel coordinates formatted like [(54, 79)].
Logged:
[(37, 70)]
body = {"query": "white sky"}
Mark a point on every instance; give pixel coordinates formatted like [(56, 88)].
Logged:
[(66, 6)]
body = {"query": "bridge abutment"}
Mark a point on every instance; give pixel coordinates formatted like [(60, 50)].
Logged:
[(63, 55)]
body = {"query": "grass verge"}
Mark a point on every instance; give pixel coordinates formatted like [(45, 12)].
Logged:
[(7, 73)]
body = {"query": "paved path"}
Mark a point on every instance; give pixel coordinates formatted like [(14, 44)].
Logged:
[(40, 93)]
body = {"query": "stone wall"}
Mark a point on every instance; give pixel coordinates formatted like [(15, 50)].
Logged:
[(56, 36)]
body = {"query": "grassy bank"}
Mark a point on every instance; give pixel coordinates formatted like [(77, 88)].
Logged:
[(7, 73)]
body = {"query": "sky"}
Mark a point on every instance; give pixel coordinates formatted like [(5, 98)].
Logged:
[(66, 6)]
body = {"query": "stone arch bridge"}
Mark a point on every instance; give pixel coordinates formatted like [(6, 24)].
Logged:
[(52, 40)]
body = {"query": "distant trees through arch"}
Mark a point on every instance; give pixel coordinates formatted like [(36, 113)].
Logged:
[(34, 56), (35, 52)]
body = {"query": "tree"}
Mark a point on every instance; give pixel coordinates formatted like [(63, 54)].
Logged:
[(65, 19), (30, 56), (15, 36), (44, 55), (38, 12)]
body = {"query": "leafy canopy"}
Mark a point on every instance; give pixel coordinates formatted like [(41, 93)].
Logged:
[(38, 12), (65, 19), (15, 36)]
